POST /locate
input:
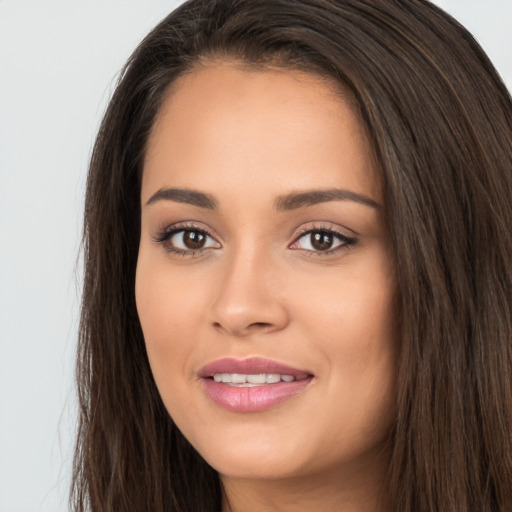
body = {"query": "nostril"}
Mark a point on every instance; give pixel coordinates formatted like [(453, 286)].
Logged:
[(244, 330), (259, 325)]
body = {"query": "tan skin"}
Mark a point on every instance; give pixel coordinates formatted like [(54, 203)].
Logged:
[(310, 284)]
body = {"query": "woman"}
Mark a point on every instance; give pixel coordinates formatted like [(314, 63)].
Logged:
[(297, 266)]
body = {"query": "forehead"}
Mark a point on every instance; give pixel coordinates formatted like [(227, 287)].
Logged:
[(222, 124)]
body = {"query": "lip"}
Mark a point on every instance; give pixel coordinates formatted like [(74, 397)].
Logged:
[(252, 365), (252, 399)]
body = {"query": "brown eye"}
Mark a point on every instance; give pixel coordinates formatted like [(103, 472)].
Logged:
[(184, 241), (193, 239), (321, 241)]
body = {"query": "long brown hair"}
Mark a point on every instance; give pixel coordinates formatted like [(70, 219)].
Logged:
[(440, 121)]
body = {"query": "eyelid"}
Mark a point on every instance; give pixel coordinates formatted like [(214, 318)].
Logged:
[(189, 225), (324, 226)]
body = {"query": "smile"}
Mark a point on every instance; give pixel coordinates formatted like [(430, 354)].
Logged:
[(259, 379), (252, 385)]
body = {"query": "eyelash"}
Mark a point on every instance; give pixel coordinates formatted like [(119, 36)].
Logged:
[(165, 235)]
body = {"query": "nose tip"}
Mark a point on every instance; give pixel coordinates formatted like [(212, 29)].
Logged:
[(249, 319), (248, 304), (236, 325)]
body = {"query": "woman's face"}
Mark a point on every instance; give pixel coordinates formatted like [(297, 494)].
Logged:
[(265, 280)]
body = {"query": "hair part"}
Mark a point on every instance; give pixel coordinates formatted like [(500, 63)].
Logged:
[(439, 119)]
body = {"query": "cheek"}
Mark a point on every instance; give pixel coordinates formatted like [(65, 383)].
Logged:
[(352, 314), (171, 308), (353, 323), (364, 326), (169, 313)]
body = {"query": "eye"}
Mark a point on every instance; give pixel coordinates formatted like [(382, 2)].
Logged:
[(186, 240), (190, 240), (322, 241)]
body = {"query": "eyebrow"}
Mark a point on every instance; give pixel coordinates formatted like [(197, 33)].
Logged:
[(180, 195), (312, 197), (282, 203)]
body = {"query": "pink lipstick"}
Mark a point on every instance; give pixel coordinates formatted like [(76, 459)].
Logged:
[(252, 385)]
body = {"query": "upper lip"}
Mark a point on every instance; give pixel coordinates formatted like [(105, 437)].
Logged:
[(250, 366)]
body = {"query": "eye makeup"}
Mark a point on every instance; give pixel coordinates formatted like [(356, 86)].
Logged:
[(186, 239), (189, 239), (320, 240)]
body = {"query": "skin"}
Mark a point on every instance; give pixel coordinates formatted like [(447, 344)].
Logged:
[(258, 287)]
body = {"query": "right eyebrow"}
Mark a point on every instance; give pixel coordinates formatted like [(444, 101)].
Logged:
[(181, 195)]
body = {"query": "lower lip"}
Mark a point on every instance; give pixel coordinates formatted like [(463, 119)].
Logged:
[(253, 399)]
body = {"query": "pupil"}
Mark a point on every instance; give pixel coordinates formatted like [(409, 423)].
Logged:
[(193, 239), (321, 241)]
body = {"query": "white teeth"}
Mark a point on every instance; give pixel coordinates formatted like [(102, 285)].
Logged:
[(251, 380), (257, 379)]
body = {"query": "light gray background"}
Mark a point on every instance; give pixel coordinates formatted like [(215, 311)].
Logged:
[(58, 63)]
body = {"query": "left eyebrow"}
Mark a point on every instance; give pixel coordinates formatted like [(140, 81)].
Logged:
[(312, 197)]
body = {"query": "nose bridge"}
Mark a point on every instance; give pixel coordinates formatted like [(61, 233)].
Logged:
[(247, 298)]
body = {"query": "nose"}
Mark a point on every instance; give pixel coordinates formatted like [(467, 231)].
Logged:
[(248, 300)]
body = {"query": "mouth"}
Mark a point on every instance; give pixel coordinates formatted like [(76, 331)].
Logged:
[(252, 385)]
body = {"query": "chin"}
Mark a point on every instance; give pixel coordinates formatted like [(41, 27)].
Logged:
[(252, 465), (243, 453)]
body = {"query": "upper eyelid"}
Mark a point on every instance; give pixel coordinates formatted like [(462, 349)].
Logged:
[(187, 226), (307, 228), (304, 228)]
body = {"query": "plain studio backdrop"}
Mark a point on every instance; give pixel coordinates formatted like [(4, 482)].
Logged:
[(58, 64)]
